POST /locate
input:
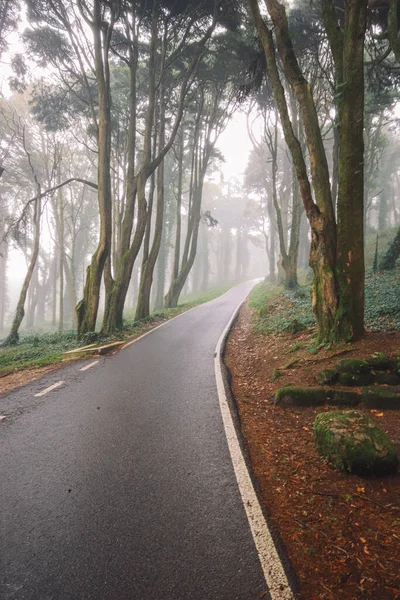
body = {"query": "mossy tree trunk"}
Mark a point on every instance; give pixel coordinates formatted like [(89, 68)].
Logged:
[(331, 292), (150, 258), (87, 308), (350, 266)]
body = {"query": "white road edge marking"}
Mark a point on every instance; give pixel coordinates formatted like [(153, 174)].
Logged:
[(90, 365), (49, 389), (274, 573)]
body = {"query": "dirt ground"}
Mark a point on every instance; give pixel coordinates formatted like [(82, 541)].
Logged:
[(14, 380), (341, 532)]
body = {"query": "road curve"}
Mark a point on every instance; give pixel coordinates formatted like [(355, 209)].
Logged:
[(118, 484)]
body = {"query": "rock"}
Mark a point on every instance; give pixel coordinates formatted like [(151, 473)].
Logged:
[(354, 366), (355, 379), (293, 396), (396, 365), (326, 376), (352, 442), (378, 362), (342, 397), (385, 378), (381, 397)]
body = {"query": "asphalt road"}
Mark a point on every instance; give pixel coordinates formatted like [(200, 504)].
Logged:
[(118, 485)]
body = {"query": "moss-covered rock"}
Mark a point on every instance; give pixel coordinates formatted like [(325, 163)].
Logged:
[(355, 379), (354, 366), (381, 397), (385, 378), (342, 397), (378, 361), (395, 366), (354, 443), (326, 376), (297, 396)]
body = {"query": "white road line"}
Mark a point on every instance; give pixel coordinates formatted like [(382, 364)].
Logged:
[(90, 365), (49, 389), (2, 417), (274, 573)]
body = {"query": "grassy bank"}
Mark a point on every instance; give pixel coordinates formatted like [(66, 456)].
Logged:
[(276, 309)]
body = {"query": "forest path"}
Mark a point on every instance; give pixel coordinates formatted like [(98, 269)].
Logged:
[(118, 483)]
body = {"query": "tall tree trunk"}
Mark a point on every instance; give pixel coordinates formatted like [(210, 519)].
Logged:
[(177, 284), (62, 250), (146, 280), (162, 261), (350, 212), (87, 308), (13, 336), (331, 290)]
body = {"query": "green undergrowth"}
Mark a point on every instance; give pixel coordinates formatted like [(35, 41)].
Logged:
[(278, 310), (40, 349)]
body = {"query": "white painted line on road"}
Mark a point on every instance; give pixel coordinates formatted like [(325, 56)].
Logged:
[(49, 389), (90, 365), (274, 573), (2, 417)]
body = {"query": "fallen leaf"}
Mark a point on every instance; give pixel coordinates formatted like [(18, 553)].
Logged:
[(379, 415), (366, 550), (363, 540), (360, 489)]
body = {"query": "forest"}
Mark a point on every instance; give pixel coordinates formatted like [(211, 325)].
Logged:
[(114, 203)]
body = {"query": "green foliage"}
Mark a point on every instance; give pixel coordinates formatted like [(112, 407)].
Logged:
[(36, 350), (275, 309), (382, 305)]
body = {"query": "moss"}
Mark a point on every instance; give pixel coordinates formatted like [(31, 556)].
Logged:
[(326, 376), (342, 397), (297, 396), (354, 366), (378, 361), (354, 443), (354, 379), (396, 365), (385, 378), (381, 397), (277, 373)]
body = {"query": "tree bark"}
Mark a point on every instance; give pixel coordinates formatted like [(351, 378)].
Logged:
[(13, 336), (146, 279), (331, 292), (87, 308), (350, 212)]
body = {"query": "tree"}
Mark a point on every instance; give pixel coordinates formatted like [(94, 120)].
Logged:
[(337, 253)]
